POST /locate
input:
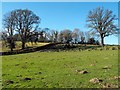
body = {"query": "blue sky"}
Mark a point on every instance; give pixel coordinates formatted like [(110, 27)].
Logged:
[(59, 16)]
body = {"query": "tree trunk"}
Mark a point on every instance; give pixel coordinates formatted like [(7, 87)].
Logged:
[(11, 49), (23, 45), (102, 41)]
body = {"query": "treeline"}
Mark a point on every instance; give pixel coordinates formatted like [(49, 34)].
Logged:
[(23, 25), (54, 36)]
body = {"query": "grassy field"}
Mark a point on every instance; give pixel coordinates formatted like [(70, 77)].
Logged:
[(61, 69)]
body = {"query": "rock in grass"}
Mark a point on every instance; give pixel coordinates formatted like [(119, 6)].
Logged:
[(92, 65), (9, 82), (82, 71), (27, 79), (106, 67), (96, 80), (108, 85), (117, 77)]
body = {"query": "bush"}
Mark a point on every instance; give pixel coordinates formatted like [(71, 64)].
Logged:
[(106, 47), (113, 48)]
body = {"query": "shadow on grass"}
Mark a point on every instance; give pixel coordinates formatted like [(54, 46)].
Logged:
[(28, 49), (53, 47)]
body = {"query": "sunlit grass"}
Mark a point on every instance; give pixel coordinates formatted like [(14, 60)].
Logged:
[(19, 44), (58, 69)]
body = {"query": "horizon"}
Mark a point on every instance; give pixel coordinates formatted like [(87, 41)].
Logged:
[(63, 15)]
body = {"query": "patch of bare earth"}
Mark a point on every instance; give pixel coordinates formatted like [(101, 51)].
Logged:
[(95, 80), (108, 85)]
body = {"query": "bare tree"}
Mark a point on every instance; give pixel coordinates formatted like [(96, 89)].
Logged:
[(41, 38), (82, 37), (9, 27), (33, 37), (102, 21), (55, 35), (75, 35), (25, 23), (45, 33), (67, 35), (51, 35), (60, 37)]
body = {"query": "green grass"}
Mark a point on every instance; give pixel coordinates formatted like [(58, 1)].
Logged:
[(58, 69)]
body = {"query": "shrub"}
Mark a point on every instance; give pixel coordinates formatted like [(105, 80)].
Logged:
[(106, 47), (113, 48)]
